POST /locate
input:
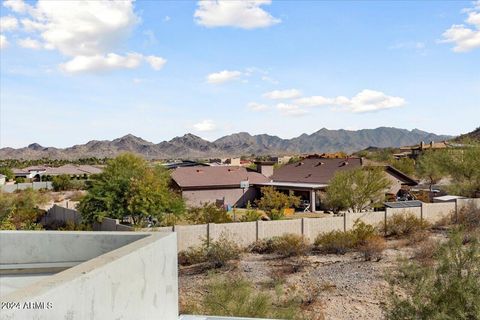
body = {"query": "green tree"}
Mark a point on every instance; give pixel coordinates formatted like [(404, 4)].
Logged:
[(357, 189), (274, 202), (208, 213), (7, 172), (406, 165), (447, 289), (463, 166), (432, 166), (129, 187), (20, 210), (62, 182)]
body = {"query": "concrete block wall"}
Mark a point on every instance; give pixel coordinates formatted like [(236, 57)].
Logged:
[(136, 281), (434, 212)]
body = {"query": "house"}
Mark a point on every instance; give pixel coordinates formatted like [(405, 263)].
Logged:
[(311, 175), (37, 172), (417, 150), (230, 185)]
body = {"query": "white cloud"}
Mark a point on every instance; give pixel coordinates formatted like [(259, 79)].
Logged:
[(254, 106), (246, 14), (364, 101), (205, 125), (18, 6), (99, 63), (29, 43), (223, 76), (8, 23), (155, 62), (465, 38), (314, 101), (371, 100), (282, 94), (3, 41), (88, 32), (291, 110)]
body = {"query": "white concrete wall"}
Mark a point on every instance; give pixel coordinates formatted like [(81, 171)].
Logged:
[(433, 212), (136, 281)]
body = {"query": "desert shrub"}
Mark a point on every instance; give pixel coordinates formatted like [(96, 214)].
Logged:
[(336, 241), (62, 182), (214, 254), (469, 217), (403, 224), (289, 245), (20, 180), (262, 246), (208, 213), (340, 242), (418, 237), (238, 297), (372, 247), (446, 289), (273, 202), (76, 196), (425, 252)]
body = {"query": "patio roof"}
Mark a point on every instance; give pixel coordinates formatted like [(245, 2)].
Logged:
[(293, 185)]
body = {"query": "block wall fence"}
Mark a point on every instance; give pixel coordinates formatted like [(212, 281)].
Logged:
[(245, 233)]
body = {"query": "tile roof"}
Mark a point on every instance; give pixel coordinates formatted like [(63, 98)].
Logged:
[(314, 170), (187, 177)]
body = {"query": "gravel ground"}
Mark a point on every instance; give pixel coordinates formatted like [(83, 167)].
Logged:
[(333, 286)]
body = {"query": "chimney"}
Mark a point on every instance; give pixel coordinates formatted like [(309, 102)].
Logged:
[(431, 144), (422, 145), (265, 168)]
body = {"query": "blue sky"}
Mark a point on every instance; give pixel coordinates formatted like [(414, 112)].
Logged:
[(76, 71)]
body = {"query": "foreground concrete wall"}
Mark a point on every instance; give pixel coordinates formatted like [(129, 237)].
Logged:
[(136, 281), (59, 246)]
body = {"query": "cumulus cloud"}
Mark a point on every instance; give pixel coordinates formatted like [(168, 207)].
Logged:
[(282, 94), (29, 43), (465, 37), (254, 106), (365, 101), (89, 32), (246, 14), (18, 6), (100, 63), (291, 110), (8, 23), (205, 125), (3, 41), (223, 76), (155, 62)]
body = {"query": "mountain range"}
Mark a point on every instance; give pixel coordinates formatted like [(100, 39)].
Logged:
[(243, 143)]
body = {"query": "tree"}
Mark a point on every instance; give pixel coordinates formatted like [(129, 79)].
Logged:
[(208, 213), (406, 165), (7, 172), (446, 289), (357, 189), (431, 166), (274, 202), (129, 187), (463, 166), (19, 211), (62, 182)]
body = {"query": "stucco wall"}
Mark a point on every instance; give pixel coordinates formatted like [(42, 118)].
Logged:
[(232, 196), (136, 281)]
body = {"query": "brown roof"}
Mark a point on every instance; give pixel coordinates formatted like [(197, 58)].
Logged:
[(218, 176), (314, 170)]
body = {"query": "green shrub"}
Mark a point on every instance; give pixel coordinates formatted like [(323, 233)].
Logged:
[(214, 254), (448, 288), (20, 210), (336, 241), (62, 182), (251, 214), (340, 242), (289, 245), (208, 213), (20, 180), (237, 297), (403, 224)]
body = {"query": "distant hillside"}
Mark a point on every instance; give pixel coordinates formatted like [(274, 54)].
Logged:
[(191, 146), (475, 135)]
